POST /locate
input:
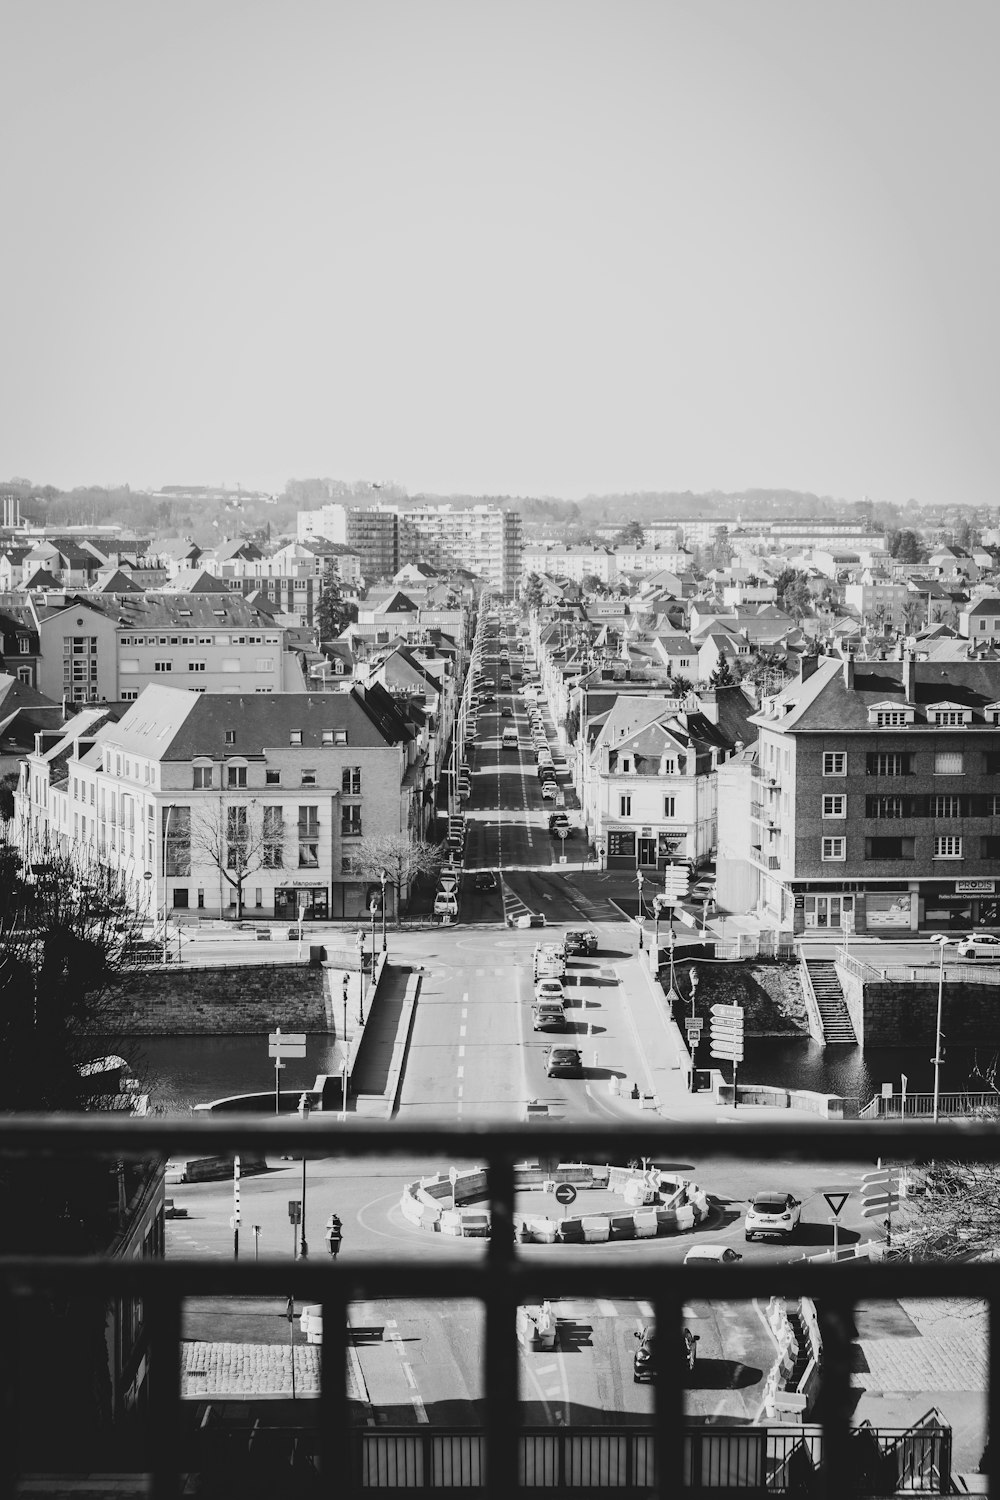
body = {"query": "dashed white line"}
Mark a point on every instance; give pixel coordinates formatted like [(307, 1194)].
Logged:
[(461, 1051), (461, 1071), (462, 1030), (607, 1309)]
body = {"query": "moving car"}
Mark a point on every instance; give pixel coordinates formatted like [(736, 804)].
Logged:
[(772, 1213), (980, 945), (581, 940), (549, 961), (563, 1062), (721, 1253), (559, 820), (509, 739), (645, 1361), (486, 881), (549, 792), (506, 712)]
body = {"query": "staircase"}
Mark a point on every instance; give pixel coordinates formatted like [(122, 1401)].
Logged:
[(792, 1383), (837, 1028)]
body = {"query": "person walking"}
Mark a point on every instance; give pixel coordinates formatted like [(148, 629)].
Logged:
[(334, 1235)]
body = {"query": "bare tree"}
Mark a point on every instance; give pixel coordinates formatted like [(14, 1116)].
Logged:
[(231, 836), (400, 857)]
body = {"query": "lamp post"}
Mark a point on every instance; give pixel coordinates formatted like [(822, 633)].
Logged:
[(942, 942), (343, 1085), (361, 976), (166, 835), (383, 877), (373, 909), (693, 976), (639, 878)]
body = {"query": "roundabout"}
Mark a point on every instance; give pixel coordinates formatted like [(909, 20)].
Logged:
[(577, 1203)]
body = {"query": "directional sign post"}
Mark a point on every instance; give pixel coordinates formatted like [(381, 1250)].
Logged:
[(279, 1045), (880, 1197), (727, 1037)]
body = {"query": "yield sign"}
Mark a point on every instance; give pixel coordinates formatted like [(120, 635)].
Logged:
[(836, 1202)]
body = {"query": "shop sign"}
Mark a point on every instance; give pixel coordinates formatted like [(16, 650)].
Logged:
[(888, 909), (621, 843), (800, 902), (668, 844), (975, 887)]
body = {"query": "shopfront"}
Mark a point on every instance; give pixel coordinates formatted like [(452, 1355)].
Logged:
[(312, 900), (960, 905), (645, 848)]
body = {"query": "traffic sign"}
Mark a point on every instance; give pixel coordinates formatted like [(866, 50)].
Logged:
[(723, 1051), (286, 1043), (836, 1202), (734, 1011), (694, 1023), (727, 1025), (295, 1210), (565, 1193), (880, 1193)]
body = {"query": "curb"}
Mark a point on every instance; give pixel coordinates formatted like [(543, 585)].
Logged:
[(400, 1051)]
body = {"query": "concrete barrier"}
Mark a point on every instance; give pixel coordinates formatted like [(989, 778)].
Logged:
[(645, 1223), (623, 1226), (570, 1231), (596, 1229)]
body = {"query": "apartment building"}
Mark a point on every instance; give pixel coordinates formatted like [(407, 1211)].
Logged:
[(481, 538), (291, 581), (876, 797), (274, 791), (372, 531), (571, 562), (97, 649)]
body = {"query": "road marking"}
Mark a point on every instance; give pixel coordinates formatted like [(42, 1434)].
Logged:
[(461, 1090), (461, 1071), (645, 1309), (546, 1369), (461, 1050), (462, 1030), (606, 1309)]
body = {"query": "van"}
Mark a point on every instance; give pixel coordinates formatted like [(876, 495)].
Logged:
[(549, 961), (509, 739)]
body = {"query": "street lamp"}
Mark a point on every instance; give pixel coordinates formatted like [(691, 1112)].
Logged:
[(361, 976), (343, 1086), (373, 908), (942, 941), (383, 877), (639, 878)]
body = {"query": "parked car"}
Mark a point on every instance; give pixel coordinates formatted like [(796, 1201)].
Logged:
[(980, 945), (549, 791), (446, 904), (563, 1062), (559, 820), (548, 1015), (772, 1213), (645, 1361), (581, 940), (548, 988)]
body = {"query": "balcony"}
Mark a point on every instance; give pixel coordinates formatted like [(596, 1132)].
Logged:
[(167, 1455)]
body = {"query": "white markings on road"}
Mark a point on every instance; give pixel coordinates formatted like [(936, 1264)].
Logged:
[(645, 1309), (461, 1071), (408, 1375), (461, 1050), (462, 1030), (607, 1309), (546, 1369)]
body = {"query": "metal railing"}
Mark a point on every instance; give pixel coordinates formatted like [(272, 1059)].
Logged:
[(823, 1458)]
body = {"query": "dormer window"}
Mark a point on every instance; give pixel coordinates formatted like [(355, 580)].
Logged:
[(949, 715), (230, 736), (295, 737), (891, 715), (626, 764)]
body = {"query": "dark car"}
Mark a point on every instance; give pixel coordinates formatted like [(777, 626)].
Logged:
[(559, 820), (506, 712), (645, 1362), (547, 773), (486, 881), (581, 940), (563, 1062)]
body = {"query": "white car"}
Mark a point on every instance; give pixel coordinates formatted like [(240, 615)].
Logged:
[(772, 1213), (549, 989), (981, 945), (445, 904), (549, 793), (720, 1254)]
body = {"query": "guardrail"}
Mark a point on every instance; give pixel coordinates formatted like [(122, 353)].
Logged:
[(503, 1279)]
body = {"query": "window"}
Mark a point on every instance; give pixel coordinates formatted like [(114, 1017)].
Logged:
[(272, 778), (327, 736), (230, 736), (264, 664), (626, 764), (835, 806), (308, 776), (950, 718), (237, 838), (947, 846), (203, 776), (888, 763), (350, 822), (180, 899), (236, 775), (946, 805), (948, 763), (669, 806), (309, 837), (128, 695), (624, 807), (350, 781), (273, 839), (889, 806), (889, 848), (340, 736), (163, 666), (196, 666), (176, 840), (295, 737), (834, 763), (891, 718), (258, 896), (834, 849)]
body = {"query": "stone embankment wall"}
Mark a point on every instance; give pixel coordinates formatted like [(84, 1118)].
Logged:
[(894, 1011), (226, 1002), (771, 995)]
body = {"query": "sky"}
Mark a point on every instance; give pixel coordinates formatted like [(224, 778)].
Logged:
[(532, 247)]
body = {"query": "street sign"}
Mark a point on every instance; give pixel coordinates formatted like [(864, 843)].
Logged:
[(565, 1193), (694, 1023), (286, 1039), (720, 1011), (295, 1210), (725, 1050), (880, 1193), (836, 1202)]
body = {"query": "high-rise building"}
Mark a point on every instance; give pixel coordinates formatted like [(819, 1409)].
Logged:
[(482, 538), (371, 531)]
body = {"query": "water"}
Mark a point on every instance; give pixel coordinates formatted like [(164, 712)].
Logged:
[(184, 1070), (804, 1064)]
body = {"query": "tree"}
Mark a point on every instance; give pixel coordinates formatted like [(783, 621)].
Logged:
[(906, 547), (400, 857), (333, 612), (914, 614), (531, 591), (591, 584), (236, 837), (723, 674), (631, 534), (680, 685), (573, 723)]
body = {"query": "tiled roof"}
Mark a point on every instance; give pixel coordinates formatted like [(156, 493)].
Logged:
[(823, 702)]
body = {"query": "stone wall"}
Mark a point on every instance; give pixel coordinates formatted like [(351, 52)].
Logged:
[(227, 1002), (906, 1013)]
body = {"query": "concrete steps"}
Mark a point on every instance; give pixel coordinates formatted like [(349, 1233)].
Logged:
[(837, 1027)]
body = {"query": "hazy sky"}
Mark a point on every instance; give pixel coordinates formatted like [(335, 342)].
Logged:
[(550, 247)]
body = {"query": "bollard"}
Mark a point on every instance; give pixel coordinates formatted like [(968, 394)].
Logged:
[(595, 1058)]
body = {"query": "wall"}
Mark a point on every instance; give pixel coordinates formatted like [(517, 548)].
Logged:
[(226, 1002), (970, 1014)]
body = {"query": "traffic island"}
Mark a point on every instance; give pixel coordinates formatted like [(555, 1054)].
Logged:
[(623, 1203)]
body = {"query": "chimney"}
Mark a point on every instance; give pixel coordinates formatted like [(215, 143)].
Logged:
[(909, 675), (708, 702), (807, 666), (849, 673)]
